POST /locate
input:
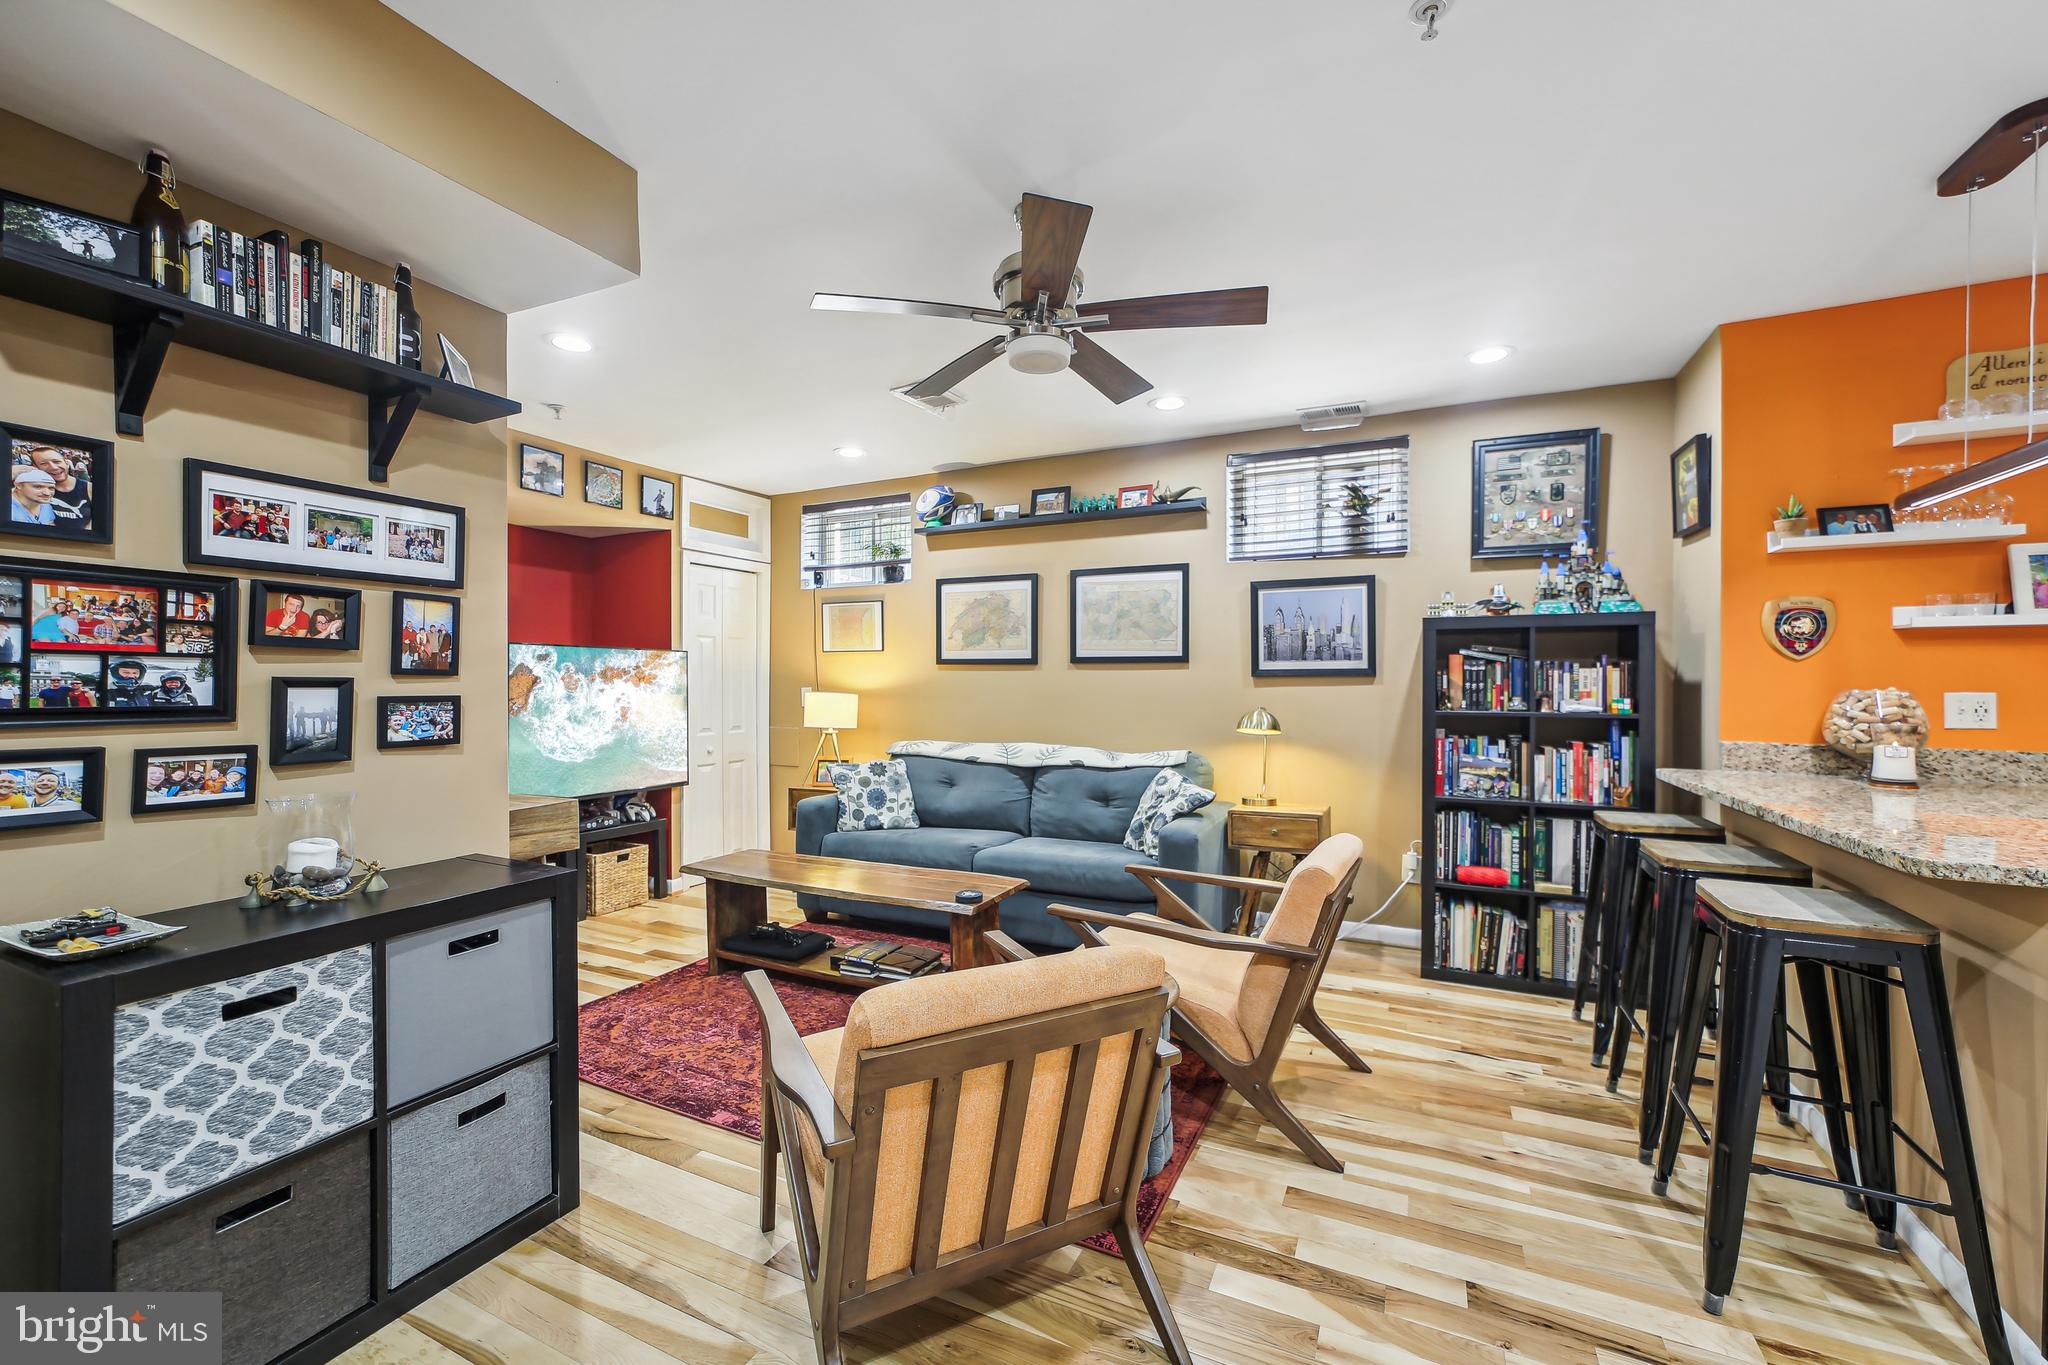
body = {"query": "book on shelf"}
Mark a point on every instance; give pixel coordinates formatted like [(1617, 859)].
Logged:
[(1601, 686), (1471, 936), (1561, 855), (1584, 772), (263, 279), (1475, 679), (1479, 765), (1560, 936), (1470, 839)]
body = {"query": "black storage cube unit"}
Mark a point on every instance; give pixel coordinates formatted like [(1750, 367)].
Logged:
[(465, 997), (288, 1249)]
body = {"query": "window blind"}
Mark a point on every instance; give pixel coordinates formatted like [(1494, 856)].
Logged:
[(838, 538), (1291, 504)]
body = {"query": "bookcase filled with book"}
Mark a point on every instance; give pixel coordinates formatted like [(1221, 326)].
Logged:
[(1529, 724)]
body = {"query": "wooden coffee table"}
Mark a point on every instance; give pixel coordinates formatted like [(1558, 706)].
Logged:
[(736, 889)]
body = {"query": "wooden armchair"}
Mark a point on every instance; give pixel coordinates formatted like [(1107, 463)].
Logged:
[(1240, 997), (959, 1124)]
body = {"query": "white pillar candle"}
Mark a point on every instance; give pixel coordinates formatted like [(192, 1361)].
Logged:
[(301, 854)]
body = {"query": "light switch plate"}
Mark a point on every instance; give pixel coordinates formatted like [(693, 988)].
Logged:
[(1969, 710)]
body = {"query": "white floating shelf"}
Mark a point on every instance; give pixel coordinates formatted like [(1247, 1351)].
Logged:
[(1916, 618), (1946, 430), (1960, 533)]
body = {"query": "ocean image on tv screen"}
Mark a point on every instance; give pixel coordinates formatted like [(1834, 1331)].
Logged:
[(587, 720)]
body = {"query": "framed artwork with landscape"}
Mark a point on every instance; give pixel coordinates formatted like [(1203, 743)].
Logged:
[(1314, 627), (1692, 486), (304, 616), (1531, 495), (59, 487), (604, 485), (251, 520), (1129, 616), (992, 619), (542, 470)]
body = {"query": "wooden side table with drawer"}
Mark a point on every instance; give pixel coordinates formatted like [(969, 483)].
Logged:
[(1263, 831)]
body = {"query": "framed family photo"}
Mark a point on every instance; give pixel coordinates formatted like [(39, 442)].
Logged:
[(1855, 519), (40, 787), (312, 720), (251, 520), (304, 616), (59, 487), (1052, 502), (1129, 616), (1314, 627), (657, 497), (1531, 495), (992, 619), (1692, 486), (424, 635), (418, 722), (199, 777), (604, 484), (850, 627), (542, 470)]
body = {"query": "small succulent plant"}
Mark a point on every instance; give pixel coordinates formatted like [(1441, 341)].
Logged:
[(1793, 510)]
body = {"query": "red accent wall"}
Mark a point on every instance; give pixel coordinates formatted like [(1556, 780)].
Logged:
[(591, 590)]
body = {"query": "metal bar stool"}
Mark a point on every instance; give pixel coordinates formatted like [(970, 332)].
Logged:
[(1611, 874), (1758, 929), (1666, 870)]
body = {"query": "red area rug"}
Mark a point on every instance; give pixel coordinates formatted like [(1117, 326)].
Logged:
[(690, 1043)]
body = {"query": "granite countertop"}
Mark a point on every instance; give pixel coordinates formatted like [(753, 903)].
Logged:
[(1950, 829)]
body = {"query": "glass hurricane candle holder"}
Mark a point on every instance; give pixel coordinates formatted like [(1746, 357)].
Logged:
[(311, 851)]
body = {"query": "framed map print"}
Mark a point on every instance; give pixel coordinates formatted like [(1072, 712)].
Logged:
[(1532, 494), (988, 620), (850, 627), (1129, 616)]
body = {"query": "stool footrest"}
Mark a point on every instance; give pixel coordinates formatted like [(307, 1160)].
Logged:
[(1846, 1187)]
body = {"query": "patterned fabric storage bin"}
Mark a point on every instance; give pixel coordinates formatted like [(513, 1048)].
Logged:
[(216, 1080), (288, 1250), (463, 1165), (464, 997)]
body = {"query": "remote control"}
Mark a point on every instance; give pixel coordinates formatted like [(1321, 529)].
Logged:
[(967, 897)]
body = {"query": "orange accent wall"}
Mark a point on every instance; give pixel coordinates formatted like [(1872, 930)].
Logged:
[(1807, 406)]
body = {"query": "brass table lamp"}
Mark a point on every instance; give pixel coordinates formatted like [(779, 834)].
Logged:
[(1259, 721)]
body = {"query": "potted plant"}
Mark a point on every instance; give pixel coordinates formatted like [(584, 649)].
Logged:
[(1791, 518), (891, 573)]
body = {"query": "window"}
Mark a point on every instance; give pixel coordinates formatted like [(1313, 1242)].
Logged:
[(1295, 504), (855, 543)]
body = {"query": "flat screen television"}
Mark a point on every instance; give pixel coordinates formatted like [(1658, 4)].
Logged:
[(587, 721)]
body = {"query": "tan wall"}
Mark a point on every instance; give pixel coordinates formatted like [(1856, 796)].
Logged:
[(1694, 628), (410, 807), (1355, 745)]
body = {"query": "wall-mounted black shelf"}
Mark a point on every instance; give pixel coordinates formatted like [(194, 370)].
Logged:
[(1157, 509), (146, 321)]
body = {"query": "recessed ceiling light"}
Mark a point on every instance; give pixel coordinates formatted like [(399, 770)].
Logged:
[(848, 452), (1169, 402), (1488, 355), (569, 341)]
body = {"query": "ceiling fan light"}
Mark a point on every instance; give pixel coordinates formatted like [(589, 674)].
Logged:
[(1039, 353)]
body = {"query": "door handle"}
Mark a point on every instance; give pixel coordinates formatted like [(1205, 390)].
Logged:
[(472, 943)]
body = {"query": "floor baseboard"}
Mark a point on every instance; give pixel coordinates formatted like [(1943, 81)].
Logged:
[(1359, 931)]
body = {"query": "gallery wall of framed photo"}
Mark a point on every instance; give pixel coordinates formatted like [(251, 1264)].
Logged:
[(154, 788), (552, 484)]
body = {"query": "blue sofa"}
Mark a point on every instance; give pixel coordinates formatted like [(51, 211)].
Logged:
[(1060, 829)]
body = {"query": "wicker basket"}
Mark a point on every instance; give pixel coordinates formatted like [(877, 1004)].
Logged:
[(615, 877)]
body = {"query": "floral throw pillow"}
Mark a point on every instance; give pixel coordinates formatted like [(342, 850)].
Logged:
[(1169, 797), (874, 795)]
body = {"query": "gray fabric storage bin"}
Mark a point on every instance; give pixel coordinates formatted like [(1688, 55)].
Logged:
[(288, 1248), (465, 997), (463, 1165)]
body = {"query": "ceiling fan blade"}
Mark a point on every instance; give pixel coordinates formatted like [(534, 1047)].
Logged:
[(940, 380), (1053, 232), (862, 303), (1113, 379), (1213, 308)]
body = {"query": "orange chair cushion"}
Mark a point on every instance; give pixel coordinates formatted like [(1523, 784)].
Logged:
[(1209, 981), (1293, 922)]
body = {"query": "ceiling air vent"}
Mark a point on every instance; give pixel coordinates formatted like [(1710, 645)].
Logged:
[(938, 404), (1336, 417)]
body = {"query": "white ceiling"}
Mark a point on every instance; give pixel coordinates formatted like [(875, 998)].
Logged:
[(1597, 184)]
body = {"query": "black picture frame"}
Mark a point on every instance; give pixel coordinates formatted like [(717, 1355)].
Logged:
[(399, 668), (92, 792), (127, 248), (454, 364), (386, 704), (198, 520), (17, 439), (651, 482), (1075, 577), (1877, 515), (261, 590), (1066, 492), (1028, 580), (1701, 495), (542, 470), (1367, 636), (282, 753), (593, 469), (1497, 459), (188, 605), (145, 759)]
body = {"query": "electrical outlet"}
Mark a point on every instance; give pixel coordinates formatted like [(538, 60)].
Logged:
[(1411, 865), (1969, 710)]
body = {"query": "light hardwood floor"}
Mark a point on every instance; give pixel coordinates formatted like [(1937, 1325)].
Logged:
[(1491, 1210)]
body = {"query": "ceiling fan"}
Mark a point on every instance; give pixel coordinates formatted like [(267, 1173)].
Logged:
[(1045, 326)]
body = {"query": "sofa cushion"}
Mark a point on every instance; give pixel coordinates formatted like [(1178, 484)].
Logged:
[(954, 849), (1067, 867), (1169, 797), (1092, 804), (970, 795)]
